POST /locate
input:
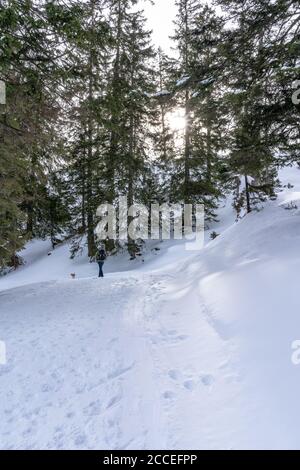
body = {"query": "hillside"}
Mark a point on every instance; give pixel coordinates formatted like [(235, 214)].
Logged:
[(163, 353)]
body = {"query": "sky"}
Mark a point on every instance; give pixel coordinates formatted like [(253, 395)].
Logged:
[(160, 19)]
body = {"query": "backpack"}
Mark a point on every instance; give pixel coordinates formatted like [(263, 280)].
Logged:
[(101, 256)]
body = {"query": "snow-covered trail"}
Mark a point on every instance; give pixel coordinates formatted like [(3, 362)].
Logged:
[(187, 350), (197, 375), (98, 364), (77, 361)]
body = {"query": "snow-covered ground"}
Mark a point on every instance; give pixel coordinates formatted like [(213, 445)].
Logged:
[(184, 350)]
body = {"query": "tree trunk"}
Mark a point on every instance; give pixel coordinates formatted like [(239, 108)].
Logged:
[(187, 149), (208, 146), (247, 195), (114, 137), (83, 197), (187, 137), (89, 193)]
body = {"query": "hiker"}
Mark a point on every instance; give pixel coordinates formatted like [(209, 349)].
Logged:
[(101, 257)]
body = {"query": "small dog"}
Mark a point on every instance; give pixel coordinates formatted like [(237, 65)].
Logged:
[(73, 275)]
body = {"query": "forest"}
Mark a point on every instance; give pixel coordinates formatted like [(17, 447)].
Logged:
[(94, 111)]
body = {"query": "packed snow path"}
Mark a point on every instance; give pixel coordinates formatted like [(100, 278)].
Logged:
[(186, 350), (94, 365)]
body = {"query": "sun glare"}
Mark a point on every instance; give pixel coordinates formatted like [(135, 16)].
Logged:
[(177, 120)]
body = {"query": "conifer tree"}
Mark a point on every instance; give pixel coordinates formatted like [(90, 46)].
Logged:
[(261, 52), (27, 66)]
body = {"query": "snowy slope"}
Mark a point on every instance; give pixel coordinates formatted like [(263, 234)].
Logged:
[(41, 263), (184, 350)]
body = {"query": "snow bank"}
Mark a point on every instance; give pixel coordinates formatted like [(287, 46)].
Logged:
[(247, 280)]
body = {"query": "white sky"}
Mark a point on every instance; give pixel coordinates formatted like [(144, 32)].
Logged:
[(160, 20)]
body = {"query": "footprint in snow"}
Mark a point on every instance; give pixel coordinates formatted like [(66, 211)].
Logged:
[(46, 388), (168, 395), (189, 385), (207, 379), (174, 374), (170, 337), (113, 340), (94, 408), (80, 440), (113, 401), (172, 332)]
